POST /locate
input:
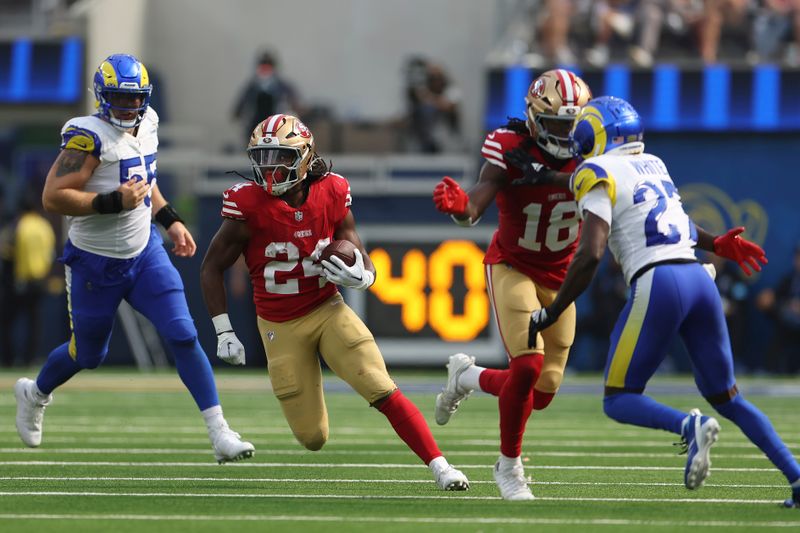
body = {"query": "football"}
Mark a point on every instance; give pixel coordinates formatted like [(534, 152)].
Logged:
[(344, 250)]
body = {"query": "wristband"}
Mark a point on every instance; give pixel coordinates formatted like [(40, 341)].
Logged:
[(466, 222), (167, 216), (222, 324), (108, 203)]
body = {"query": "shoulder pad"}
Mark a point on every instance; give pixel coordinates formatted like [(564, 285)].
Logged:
[(589, 175), (81, 139)]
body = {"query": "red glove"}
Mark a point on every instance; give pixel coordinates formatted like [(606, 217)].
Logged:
[(744, 252), (449, 197)]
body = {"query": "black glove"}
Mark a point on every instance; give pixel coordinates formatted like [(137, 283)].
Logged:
[(540, 319), (533, 172)]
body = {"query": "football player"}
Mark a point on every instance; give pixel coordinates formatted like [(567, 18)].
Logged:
[(281, 221), (104, 181), (629, 202), (525, 263)]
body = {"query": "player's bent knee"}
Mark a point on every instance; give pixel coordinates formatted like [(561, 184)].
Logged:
[(312, 440), (613, 406), (180, 331), (549, 381)]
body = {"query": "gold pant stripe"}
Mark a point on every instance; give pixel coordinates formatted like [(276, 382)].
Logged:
[(623, 353), (73, 347)]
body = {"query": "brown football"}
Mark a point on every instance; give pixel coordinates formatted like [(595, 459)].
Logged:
[(344, 250)]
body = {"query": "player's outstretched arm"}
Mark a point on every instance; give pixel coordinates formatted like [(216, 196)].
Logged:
[(466, 208), (731, 245), (225, 248)]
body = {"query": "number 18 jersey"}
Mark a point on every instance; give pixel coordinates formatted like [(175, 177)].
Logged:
[(538, 225), (647, 221)]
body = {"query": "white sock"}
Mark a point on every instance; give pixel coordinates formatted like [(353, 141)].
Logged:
[(213, 417), (438, 464), (506, 463), (470, 378)]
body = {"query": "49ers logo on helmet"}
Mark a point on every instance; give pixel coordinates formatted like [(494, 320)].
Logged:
[(537, 91), (303, 130)]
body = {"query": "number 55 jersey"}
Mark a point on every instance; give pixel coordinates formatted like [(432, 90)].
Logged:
[(123, 157), (635, 195)]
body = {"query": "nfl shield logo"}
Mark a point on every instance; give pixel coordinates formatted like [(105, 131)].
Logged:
[(270, 335), (298, 215)]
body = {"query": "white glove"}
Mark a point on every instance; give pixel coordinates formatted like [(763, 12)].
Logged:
[(229, 348), (353, 277)]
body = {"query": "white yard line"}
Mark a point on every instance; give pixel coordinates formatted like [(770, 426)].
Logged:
[(317, 496), (399, 520), (254, 464), (382, 480), (191, 451)]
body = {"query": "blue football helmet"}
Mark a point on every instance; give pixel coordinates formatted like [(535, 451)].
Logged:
[(121, 74), (605, 123)]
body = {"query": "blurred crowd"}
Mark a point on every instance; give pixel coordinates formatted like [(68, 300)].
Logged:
[(641, 32)]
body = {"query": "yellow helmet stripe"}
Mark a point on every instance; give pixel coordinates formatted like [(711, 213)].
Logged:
[(109, 74)]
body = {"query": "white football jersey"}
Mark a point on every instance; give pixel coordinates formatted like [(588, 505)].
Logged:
[(646, 218), (122, 157)]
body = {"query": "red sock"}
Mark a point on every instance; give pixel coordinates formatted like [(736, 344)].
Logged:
[(492, 380), (542, 399), (516, 402), (410, 426)]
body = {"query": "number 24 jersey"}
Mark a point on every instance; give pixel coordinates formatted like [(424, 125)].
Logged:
[(285, 243)]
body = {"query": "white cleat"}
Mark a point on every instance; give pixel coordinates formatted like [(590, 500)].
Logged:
[(512, 482), (452, 395), (30, 411), (228, 445), (700, 434), (451, 479)]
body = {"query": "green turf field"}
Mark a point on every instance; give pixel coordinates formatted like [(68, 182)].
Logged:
[(129, 452)]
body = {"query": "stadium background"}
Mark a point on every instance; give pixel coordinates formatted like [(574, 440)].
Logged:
[(729, 134)]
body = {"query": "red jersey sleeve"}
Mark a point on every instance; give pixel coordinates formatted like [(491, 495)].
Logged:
[(497, 143), (341, 199), (235, 202)]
